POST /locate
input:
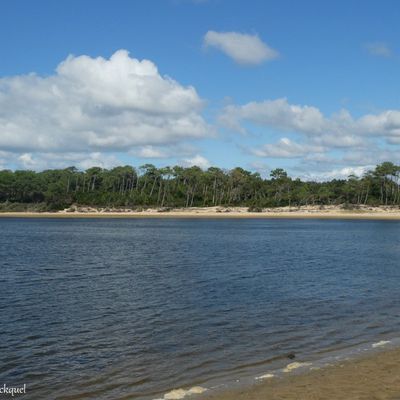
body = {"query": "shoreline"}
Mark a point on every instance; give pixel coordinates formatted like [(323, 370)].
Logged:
[(310, 212), (369, 376)]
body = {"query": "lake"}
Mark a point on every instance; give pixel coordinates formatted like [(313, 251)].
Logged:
[(133, 308)]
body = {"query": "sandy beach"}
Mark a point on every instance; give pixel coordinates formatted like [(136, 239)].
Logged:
[(326, 212), (376, 376)]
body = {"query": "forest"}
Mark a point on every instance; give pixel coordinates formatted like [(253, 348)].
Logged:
[(169, 187)]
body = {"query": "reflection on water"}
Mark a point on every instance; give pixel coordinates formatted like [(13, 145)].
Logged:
[(125, 309)]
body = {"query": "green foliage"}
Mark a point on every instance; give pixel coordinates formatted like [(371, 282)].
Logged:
[(149, 186)]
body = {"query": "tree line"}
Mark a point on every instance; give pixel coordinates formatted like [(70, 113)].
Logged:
[(148, 186)]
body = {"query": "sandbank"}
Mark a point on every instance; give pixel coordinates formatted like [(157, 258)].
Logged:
[(306, 212)]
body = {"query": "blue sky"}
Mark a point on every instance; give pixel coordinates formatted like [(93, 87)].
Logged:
[(309, 86)]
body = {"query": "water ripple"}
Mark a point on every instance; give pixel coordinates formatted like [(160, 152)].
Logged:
[(132, 309)]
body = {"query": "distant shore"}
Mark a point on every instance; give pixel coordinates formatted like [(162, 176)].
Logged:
[(375, 376), (317, 212)]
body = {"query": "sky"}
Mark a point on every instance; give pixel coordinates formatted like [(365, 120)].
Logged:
[(309, 86)]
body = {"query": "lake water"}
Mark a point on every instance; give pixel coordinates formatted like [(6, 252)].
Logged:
[(133, 308)]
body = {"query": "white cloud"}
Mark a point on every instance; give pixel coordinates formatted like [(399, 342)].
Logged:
[(286, 148), (198, 161), (97, 159), (94, 105), (338, 173), (243, 48), (277, 113), (41, 161), (166, 151), (379, 49), (150, 152), (27, 161), (339, 130), (338, 140), (339, 165), (370, 156)]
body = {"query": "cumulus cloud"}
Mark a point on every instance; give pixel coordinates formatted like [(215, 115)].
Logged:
[(378, 49), (286, 148), (198, 161), (317, 173), (166, 151), (339, 130), (340, 165), (278, 113), (242, 48), (338, 140), (336, 173), (369, 156), (97, 105), (150, 152), (41, 161)]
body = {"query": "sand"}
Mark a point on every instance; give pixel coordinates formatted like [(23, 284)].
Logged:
[(376, 376), (327, 212)]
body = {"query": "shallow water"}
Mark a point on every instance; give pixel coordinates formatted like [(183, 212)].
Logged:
[(133, 308)]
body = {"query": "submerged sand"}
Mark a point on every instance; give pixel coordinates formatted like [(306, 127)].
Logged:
[(326, 212), (376, 376)]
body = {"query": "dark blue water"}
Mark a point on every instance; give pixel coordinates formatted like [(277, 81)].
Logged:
[(132, 308)]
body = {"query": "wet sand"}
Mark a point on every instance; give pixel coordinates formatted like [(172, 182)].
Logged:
[(329, 212), (376, 376)]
